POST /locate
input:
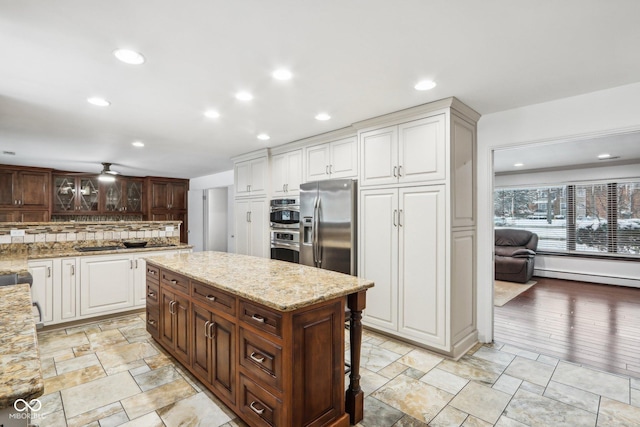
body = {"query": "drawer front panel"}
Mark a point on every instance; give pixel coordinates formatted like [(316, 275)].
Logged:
[(262, 318), (153, 274), (214, 298), (176, 280), (153, 320), (261, 358), (153, 290), (260, 407)]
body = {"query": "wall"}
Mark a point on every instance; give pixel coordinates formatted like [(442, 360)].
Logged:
[(222, 179), (589, 115)]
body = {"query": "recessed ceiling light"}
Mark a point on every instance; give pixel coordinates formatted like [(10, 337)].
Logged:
[(604, 156), (518, 165), (137, 144), (425, 85), (100, 102), (323, 116), (282, 74), (263, 137), (244, 96), (129, 56), (212, 114)]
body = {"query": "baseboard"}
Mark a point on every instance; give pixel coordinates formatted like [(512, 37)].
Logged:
[(591, 278)]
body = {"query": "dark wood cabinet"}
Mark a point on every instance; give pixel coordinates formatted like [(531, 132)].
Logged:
[(167, 201), (76, 194), (24, 194), (174, 322), (124, 195), (24, 216)]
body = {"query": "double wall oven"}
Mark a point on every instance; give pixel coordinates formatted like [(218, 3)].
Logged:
[(284, 220)]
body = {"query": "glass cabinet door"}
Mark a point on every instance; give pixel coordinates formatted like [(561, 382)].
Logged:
[(88, 194), (133, 193), (65, 194), (113, 196)]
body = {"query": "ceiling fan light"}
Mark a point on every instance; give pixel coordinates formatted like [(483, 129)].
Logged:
[(106, 177)]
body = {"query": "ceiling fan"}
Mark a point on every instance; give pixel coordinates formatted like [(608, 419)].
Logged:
[(107, 175)]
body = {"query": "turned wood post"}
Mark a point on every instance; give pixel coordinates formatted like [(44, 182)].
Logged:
[(354, 403)]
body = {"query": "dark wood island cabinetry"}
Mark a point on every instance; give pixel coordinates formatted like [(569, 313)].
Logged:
[(265, 336)]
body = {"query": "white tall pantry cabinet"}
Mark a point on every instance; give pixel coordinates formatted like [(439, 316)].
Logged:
[(417, 224)]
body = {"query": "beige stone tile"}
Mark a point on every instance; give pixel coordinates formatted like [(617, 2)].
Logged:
[(62, 355), (90, 328), (73, 378), (379, 414), (94, 415), (508, 422), (415, 398), (598, 382), (573, 396), (481, 401), (59, 341), (157, 377), (532, 388), (613, 413), (158, 397), (493, 355), (373, 357), (235, 423), (520, 352), (530, 370), (98, 393), (369, 381), (507, 384), (534, 410), (76, 363), (135, 333), (122, 322), (408, 421), (635, 397), (449, 417), (48, 367), (393, 370), (114, 420), (197, 410), (101, 340), (421, 360), (473, 368), (51, 403), (158, 361), (444, 380), (397, 346), (115, 357), (152, 419), (551, 361), (55, 419)]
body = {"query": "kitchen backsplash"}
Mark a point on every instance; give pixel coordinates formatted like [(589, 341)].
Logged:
[(65, 235), (96, 218)]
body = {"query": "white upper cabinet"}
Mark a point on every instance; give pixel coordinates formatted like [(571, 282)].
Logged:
[(251, 177), (286, 173), (405, 153), (252, 227), (337, 159)]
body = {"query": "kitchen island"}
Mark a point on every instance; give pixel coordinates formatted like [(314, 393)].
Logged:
[(265, 336)]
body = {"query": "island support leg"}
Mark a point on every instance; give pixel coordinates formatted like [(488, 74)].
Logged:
[(354, 403)]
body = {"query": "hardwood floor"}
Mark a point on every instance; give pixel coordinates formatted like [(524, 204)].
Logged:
[(585, 323)]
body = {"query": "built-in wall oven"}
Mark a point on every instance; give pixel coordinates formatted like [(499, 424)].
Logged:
[(284, 219)]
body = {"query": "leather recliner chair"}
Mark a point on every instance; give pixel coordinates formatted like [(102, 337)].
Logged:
[(515, 252)]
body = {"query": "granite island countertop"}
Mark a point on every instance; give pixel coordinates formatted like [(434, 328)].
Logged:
[(281, 285), (19, 356)]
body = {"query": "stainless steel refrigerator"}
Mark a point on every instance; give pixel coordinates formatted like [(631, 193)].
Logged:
[(328, 225)]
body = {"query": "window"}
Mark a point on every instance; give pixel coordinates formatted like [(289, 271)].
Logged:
[(601, 218)]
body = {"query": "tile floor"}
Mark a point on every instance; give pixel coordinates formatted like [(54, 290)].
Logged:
[(111, 373)]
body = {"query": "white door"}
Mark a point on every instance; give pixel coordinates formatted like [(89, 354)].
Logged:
[(259, 234), (379, 150), (106, 284), (318, 159), (421, 150), (42, 288), (422, 298), (195, 233), (215, 219), (344, 158), (241, 220), (378, 252), (68, 289)]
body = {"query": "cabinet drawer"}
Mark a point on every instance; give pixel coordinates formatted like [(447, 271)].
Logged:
[(153, 273), (153, 319), (261, 358), (214, 298), (177, 281), (261, 407), (153, 290), (262, 318)]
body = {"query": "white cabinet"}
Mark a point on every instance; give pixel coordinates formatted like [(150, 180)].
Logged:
[(140, 274), (286, 173), (251, 227), (406, 153), (106, 283), (42, 288), (251, 177), (337, 159), (402, 250), (68, 289)]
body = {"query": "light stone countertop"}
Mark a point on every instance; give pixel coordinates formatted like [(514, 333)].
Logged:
[(21, 374), (13, 264), (281, 285)]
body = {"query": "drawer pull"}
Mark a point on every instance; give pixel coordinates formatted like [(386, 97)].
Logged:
[(257, 359), (258, 318), (151, 322), (254, 409), (211, 297), (151, 294), (151, 272), (174, 281)]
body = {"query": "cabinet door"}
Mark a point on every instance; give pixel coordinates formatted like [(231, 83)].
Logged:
[(201, 346), (33, 216), (422, 261), (64, 193), (294, 171), (34, 189), (318, 160), (106, 284), (181, 317), (223, 342), (379, 255), (258, 184), (68, 289), (178, 196), (9, 216), (159, 195), (344, 158), (242, 177), (133, 195), (259, 232), (113, 197), (89, 200), (140, 276), (282, 172), (421, 150), (379, 150), (8, 189), (42, 289), (241, 223)]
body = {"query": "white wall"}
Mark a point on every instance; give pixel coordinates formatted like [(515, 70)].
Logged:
[(589, 115), (222, 179)]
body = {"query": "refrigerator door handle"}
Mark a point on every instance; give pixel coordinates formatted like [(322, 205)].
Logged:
[(316, 238)]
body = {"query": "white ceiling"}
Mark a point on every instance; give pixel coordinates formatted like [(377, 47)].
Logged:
[(354, 59)]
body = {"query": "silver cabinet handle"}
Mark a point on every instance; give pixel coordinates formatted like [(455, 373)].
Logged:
[(249, 187), (395, 171), (151, 322), (258, 318), (130, 264), (136, 264), (254, 409), (255, 358), (284, 188), (400, 218), (73, 270), (249, 216), (210, 297), (206, 328), (248, 220), (152, 272), (330, 169), (211, 334), (171, 308), (151, 294), (48, 271), (174, 281), (326, 170), (400, 170), (395, 217)]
